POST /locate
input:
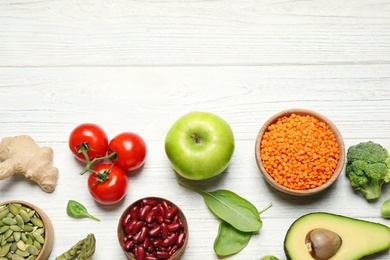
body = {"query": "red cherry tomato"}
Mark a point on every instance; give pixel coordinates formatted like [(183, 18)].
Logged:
[(130, 149), (88, 137), (109, 185)]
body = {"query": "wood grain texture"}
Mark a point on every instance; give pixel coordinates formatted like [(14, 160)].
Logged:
[(139, 65), (163, 33)]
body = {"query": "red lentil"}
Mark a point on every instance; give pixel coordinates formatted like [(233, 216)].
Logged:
[(299, 151)]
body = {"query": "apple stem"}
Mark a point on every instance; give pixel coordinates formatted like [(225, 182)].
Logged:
[(196, 137)]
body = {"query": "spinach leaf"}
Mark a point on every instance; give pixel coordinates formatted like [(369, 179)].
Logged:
[(77, 210), (230, 240), (232, 208)]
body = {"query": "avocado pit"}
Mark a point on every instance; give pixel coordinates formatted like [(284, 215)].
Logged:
[(322, 243)]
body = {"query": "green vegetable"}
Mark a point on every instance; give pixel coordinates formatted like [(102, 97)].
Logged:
[(83, 250), (368, 168), (77, 210), (385, 209), (232, 208), (230, 240), (269, 257)]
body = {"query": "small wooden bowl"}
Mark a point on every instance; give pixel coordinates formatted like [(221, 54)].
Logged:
[(121, 233), (305, 192), (48, 226)]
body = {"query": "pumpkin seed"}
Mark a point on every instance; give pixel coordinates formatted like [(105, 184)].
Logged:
[(28, 227), (3, 213), (32, 250), (21, 245), (17, 257), (14, 208), (31, 257), (22, 253), (15, 228), (37, 222), (26, 218), (39, 238), (5, 249), (4, 229), (9, 221), (17, 236), (7, 234)]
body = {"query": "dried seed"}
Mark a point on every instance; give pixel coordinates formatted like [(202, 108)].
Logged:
[(37, 245), (7, 234), (32, 250), (17, 257), (14, 208), (22, 253), (28, 227), (26, 218), (31, 257), (19, 221), (16, 228), (21, 245), (3, 213), (39, 238), (37, 222), (9, 221), (17, 236), (4, 229), (40, 231), (5, 249)]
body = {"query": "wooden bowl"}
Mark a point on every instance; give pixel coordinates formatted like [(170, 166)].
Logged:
[(303, 192), (48, 227), (139, 203)]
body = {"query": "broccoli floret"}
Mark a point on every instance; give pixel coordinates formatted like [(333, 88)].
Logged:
[(368, 168)]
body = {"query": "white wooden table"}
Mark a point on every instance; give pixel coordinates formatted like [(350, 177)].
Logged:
[(139, 65)]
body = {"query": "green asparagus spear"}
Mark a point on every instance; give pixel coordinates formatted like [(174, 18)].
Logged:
[(83, 250)]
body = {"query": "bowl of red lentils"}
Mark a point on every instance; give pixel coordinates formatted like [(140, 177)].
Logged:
[(300, 152), (153, 228)]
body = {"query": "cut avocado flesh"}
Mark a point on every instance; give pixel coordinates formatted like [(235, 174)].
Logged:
[(359, 238)]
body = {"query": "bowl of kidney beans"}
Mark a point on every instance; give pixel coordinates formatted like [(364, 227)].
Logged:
[(153, 228)]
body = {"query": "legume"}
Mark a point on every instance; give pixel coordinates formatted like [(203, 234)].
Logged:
[(153, 230), (299, 152), (21, 232)]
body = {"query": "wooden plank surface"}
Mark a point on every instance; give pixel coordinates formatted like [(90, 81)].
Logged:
[(139, 65)]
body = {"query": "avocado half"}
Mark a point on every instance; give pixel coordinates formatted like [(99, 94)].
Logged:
[(359, 237)]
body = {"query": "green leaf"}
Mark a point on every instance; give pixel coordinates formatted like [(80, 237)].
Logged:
[(77, 210), (230, 240), (232, 208)]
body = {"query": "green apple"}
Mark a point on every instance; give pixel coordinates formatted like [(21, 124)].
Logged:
[(199, 145)]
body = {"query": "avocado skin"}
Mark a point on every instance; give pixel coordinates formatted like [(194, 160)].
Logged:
[(339, 224)]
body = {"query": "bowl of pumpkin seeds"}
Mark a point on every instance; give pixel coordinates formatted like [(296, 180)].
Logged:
[(26, 232)]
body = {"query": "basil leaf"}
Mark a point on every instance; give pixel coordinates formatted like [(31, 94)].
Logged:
[(77, 210), (230, 240), (232, 208)]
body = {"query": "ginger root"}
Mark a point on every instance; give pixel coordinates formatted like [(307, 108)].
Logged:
[(21, 155)]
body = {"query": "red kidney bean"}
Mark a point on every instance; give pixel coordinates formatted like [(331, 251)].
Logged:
[(162, 254), (126, 219), (173, 249), (154, 231), (134, 212), (128, 245), (180, 239), (165, 206), (172, 212), (156, 242), (151, 202), (159, 219), (164, 231), (151, 257), (129, 226), (161, 210), (140, 253), (143, 211), (137, 226), (146, 242), (170, 240), (143, 233), (173, 226), (150, 215)]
